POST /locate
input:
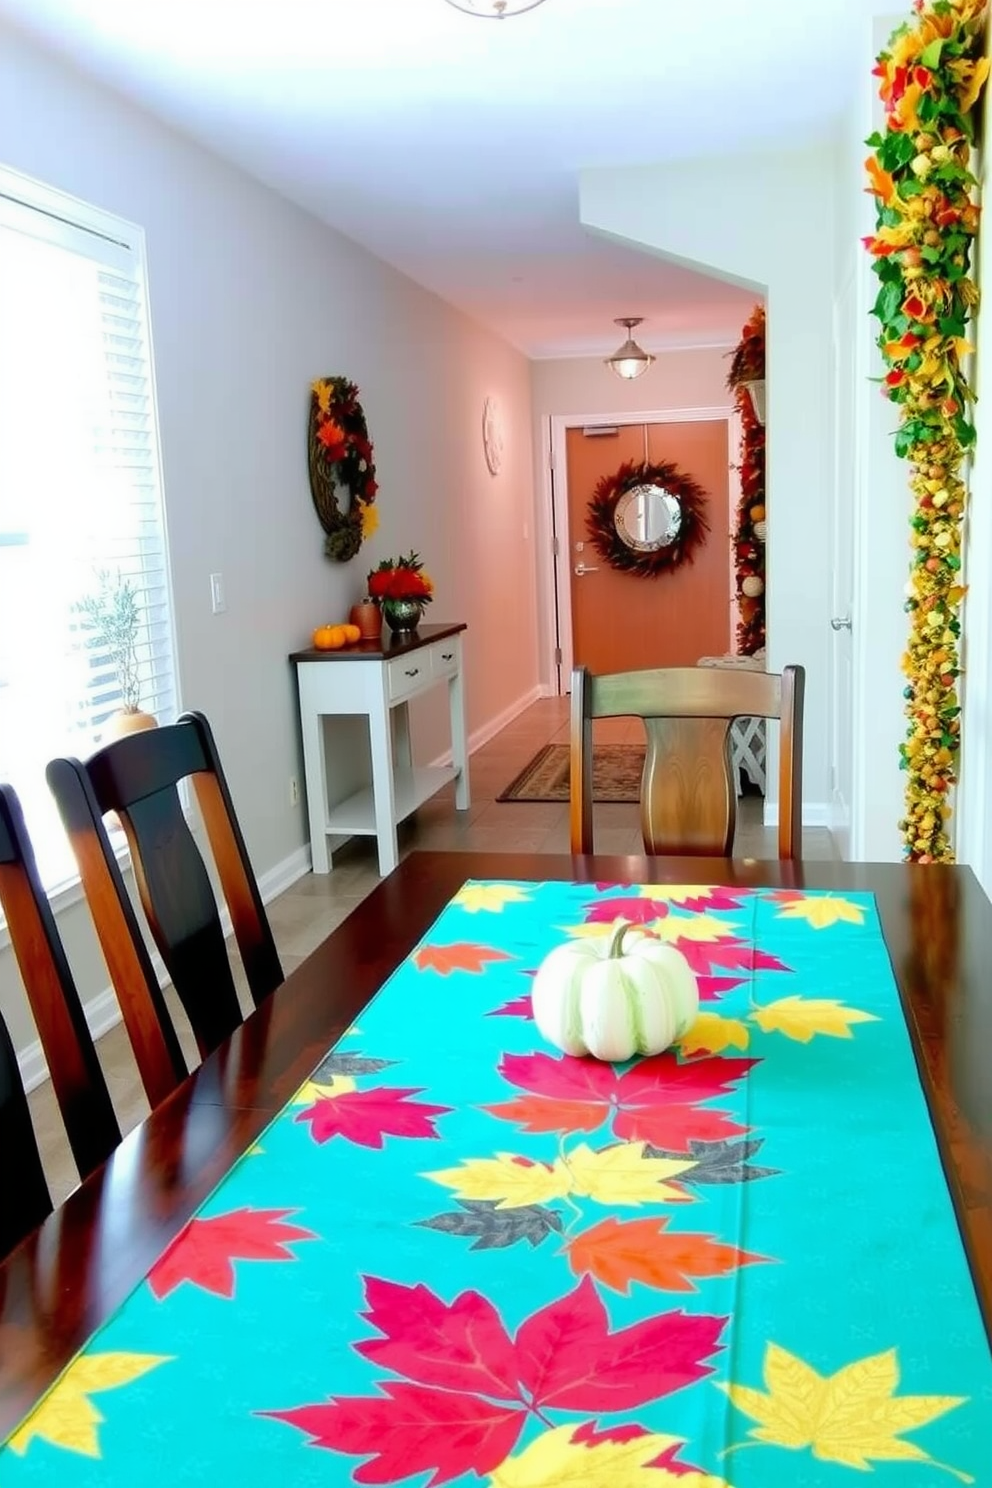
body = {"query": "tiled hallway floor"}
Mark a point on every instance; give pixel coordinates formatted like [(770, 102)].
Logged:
[(314, 906)]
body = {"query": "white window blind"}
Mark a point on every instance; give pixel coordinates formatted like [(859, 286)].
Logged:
[(80, 500)]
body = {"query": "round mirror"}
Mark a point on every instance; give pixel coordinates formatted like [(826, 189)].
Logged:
[(648, 518)]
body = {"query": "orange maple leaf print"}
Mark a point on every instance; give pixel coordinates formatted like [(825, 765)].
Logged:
[(463, 955), (617, 1252)]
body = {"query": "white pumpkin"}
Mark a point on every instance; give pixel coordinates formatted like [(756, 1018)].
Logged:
[(615, 995)]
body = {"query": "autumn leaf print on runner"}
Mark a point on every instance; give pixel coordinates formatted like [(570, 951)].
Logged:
[(720, 1162), (621, 1174), (204, 1252), (658, 1100), (66, 1417), (802, 1018), (466, 1388), (819, 911), (618, 1252), (584, 1457), (476, 895), (852, 1418), (461, 955), (493, 1228), (367, 1117)]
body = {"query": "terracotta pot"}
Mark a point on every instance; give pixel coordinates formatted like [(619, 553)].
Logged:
[(128, 721), (368, 617)]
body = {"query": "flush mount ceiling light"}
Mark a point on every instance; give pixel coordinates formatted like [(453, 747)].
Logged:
[(495, 10), (630, 360)]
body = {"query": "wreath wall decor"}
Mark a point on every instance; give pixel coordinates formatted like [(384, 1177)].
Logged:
[(341, 463), (748, 365), (920, 172), (646, 563)]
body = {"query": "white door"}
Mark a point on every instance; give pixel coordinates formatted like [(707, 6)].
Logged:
[(847, 385)]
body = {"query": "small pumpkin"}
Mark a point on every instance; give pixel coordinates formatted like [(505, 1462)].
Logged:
[(615, 995), (328, 637), (352, 633)]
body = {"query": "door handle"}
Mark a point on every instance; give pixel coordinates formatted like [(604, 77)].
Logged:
[(584, 568), (840, 622)]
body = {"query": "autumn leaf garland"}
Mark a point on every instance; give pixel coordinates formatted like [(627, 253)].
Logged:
[(931, 77)]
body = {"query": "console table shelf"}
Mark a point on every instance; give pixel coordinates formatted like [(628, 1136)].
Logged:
[(365, 786)]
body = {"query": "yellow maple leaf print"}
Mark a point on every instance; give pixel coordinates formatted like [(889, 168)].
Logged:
[(514, 1181), (623, 1175), (314, 1090), (822, 910), (802, 1018), (489, 896), (853, 1417), (701, 927), (557, 1460), (67, 1417), (712, 1033)]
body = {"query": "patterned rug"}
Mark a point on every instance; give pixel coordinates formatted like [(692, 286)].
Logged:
[(616, 775)]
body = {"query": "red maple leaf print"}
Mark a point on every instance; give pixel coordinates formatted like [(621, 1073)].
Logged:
[(520, 1007), (635, 910), (411, 1429), (712, 988), (469, 1388), (367, 1117), (657, 1098), (204, 1251), (731, 954), (589, 1434)]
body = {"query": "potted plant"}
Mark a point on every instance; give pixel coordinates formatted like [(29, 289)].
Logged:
[(112, 616)]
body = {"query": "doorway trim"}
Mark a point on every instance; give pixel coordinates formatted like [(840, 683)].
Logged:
[(555, 497)]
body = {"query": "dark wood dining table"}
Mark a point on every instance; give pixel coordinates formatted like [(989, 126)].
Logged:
[(64, 1280)]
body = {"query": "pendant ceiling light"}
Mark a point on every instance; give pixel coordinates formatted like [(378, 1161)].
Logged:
[(630, 360), (495, 10)]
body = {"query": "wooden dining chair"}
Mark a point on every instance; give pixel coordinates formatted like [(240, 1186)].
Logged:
[(137, 777), (77, 1079), (688, 790)]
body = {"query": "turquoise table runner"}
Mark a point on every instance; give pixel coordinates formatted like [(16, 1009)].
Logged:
[(460, 1257)]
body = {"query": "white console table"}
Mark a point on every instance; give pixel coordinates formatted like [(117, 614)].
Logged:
[(360, 777)]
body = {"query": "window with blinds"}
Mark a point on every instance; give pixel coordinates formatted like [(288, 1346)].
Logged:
[(85, 621)]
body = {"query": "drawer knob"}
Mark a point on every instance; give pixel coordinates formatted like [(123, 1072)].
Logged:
[(415, 672), (447, 655)]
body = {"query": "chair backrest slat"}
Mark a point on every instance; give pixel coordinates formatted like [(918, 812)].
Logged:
[(73, 1065), (688, 793), (25, 1200), (137, 777)]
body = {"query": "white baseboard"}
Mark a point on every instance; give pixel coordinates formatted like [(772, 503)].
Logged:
[(815, 814), (103, 1010), (490, 729)]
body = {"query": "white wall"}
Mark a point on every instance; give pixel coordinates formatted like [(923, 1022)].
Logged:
[(882, 504), (764, 220), (251, 299), (584, 386)]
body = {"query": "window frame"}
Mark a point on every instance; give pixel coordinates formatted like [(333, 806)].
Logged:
[(25, 191)]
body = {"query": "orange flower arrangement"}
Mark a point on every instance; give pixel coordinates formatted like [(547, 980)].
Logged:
[(401, 578)]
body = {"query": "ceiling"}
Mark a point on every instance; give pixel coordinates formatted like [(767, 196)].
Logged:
[(450, 145)]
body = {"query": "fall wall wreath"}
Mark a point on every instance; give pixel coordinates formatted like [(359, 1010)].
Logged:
[(932, 75), (748, 365), (646, 563), (340, 459)]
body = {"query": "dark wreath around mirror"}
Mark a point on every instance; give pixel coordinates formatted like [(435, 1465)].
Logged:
[(647, 518)]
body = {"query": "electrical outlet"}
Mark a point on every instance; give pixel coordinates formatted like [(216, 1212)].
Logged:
[(294, 791)]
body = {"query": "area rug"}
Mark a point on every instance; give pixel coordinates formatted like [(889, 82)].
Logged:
[(616, 775)]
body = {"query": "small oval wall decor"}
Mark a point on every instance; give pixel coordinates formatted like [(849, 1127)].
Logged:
[(342, 467), (647, 518)]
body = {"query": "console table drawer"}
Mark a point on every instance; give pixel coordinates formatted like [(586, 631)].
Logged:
[(409, 674), (445, 659)]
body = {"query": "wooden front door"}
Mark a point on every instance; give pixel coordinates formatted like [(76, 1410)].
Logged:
[(621, 622)]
